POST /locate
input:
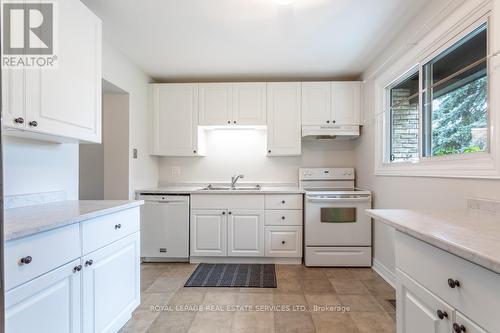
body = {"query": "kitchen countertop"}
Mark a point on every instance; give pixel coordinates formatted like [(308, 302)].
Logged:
[(30, 220), (471, 234), (191, 189)]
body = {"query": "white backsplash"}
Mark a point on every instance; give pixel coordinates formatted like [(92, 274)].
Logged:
[(487, 205)]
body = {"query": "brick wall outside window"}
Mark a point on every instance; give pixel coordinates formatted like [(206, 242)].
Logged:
[(405, 123)]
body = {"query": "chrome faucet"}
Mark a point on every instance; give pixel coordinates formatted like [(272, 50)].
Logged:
[(234, 179)]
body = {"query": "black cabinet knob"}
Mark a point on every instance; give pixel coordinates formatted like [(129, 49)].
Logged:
[(89, 262), (459, 328), (223, 213), (283, 242), (19, 120), (118, 226), (229, 121), (328, 121), (453, 283), (282, 217), (283, 202), (234, 122), (334, 121), (25, 260), (229, 213), (194, 151), (269, 151), (442, 314), (33, 123), (77, 268)]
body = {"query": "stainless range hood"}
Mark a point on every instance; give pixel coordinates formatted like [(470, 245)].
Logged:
[(330, 132)]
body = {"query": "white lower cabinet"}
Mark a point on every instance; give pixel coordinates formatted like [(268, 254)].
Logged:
[(245, 233), (208, 232), (441, 292), (418, 309), (49, 303), (111, 285), (91, 292), (283, 241)]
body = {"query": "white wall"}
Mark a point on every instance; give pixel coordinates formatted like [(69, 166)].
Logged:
[(119, 71), (407, 192), (91, 172), (232, 152), (34, 166)]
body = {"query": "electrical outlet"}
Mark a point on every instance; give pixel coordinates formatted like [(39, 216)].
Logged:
[(134, 153), (176, 171)]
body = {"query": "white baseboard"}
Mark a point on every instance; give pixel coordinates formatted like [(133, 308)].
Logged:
[(245, 260), (384, 272)]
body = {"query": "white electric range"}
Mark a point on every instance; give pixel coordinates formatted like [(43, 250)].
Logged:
[(337, 230)]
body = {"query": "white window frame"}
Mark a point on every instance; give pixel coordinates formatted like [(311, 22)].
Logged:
[(471, 165)]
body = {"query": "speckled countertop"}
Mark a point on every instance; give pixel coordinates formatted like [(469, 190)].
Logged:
[(471, 234), (29, 220)]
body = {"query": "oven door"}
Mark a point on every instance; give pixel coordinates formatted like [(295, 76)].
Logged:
[(332, 220)]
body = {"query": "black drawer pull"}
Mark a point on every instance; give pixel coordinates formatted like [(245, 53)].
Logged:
[(25, 260), (118, 226), (77, 268), (453, 283), (459, 328), (442, 314)]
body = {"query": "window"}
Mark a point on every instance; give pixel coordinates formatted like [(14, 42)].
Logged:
[(404, 118), (441, 107), (455, 96)]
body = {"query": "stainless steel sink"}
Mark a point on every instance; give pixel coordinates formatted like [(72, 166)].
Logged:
[(211, 187)]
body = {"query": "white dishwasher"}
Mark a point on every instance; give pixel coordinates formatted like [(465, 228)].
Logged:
[(164, 227)]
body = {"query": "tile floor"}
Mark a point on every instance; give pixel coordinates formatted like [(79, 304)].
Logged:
[(312, 296)]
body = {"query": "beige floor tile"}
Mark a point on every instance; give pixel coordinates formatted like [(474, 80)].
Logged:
[(165, 284), (294, 322), (333, 322), (140, 321), (317, 285), (361, 303), (313, 274), (289, 299), (211, 322), (339, 273), (323, 299), (373, 322), (187, 296), (172, 322), (255, 298), (343, 286), (380, 287), (154, 299), (220, 298), (253, 322), (288, 286)]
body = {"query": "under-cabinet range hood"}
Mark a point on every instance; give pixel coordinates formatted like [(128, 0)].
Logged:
[(330, 132)]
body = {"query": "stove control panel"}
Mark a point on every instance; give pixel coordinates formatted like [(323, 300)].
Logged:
[(326, 174)]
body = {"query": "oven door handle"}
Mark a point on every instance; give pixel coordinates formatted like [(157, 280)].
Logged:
[(323, 199)]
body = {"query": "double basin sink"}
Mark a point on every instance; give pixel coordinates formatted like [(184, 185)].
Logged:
[(211, 187)]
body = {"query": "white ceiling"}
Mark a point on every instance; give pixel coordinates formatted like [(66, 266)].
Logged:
[(251, 39)]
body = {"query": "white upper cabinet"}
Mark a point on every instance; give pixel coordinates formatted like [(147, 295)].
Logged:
[(316, 103), (61, 104), (283, 118), (216, 103), (346, 100), (232, 104), (175, 119), (249, 103), (325, 103)]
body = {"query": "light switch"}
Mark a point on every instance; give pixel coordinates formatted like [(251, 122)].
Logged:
[(176, 171), (134, 153)]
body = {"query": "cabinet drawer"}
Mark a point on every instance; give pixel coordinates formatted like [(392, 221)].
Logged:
[(104, 230), (284, 201), (227, 201), (479, 288), (48, 250), (283, 217), (283, 241)]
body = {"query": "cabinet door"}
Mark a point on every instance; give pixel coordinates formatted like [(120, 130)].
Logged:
[(66, 101), (245, 233), (216, 103), (249, 107), (13, 101), (316, 103), (208, 233), (283, 241), (346, 100), (417, 308), (283, 119), (111, 285), (49, 303), (467, 325), (175, 116)]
